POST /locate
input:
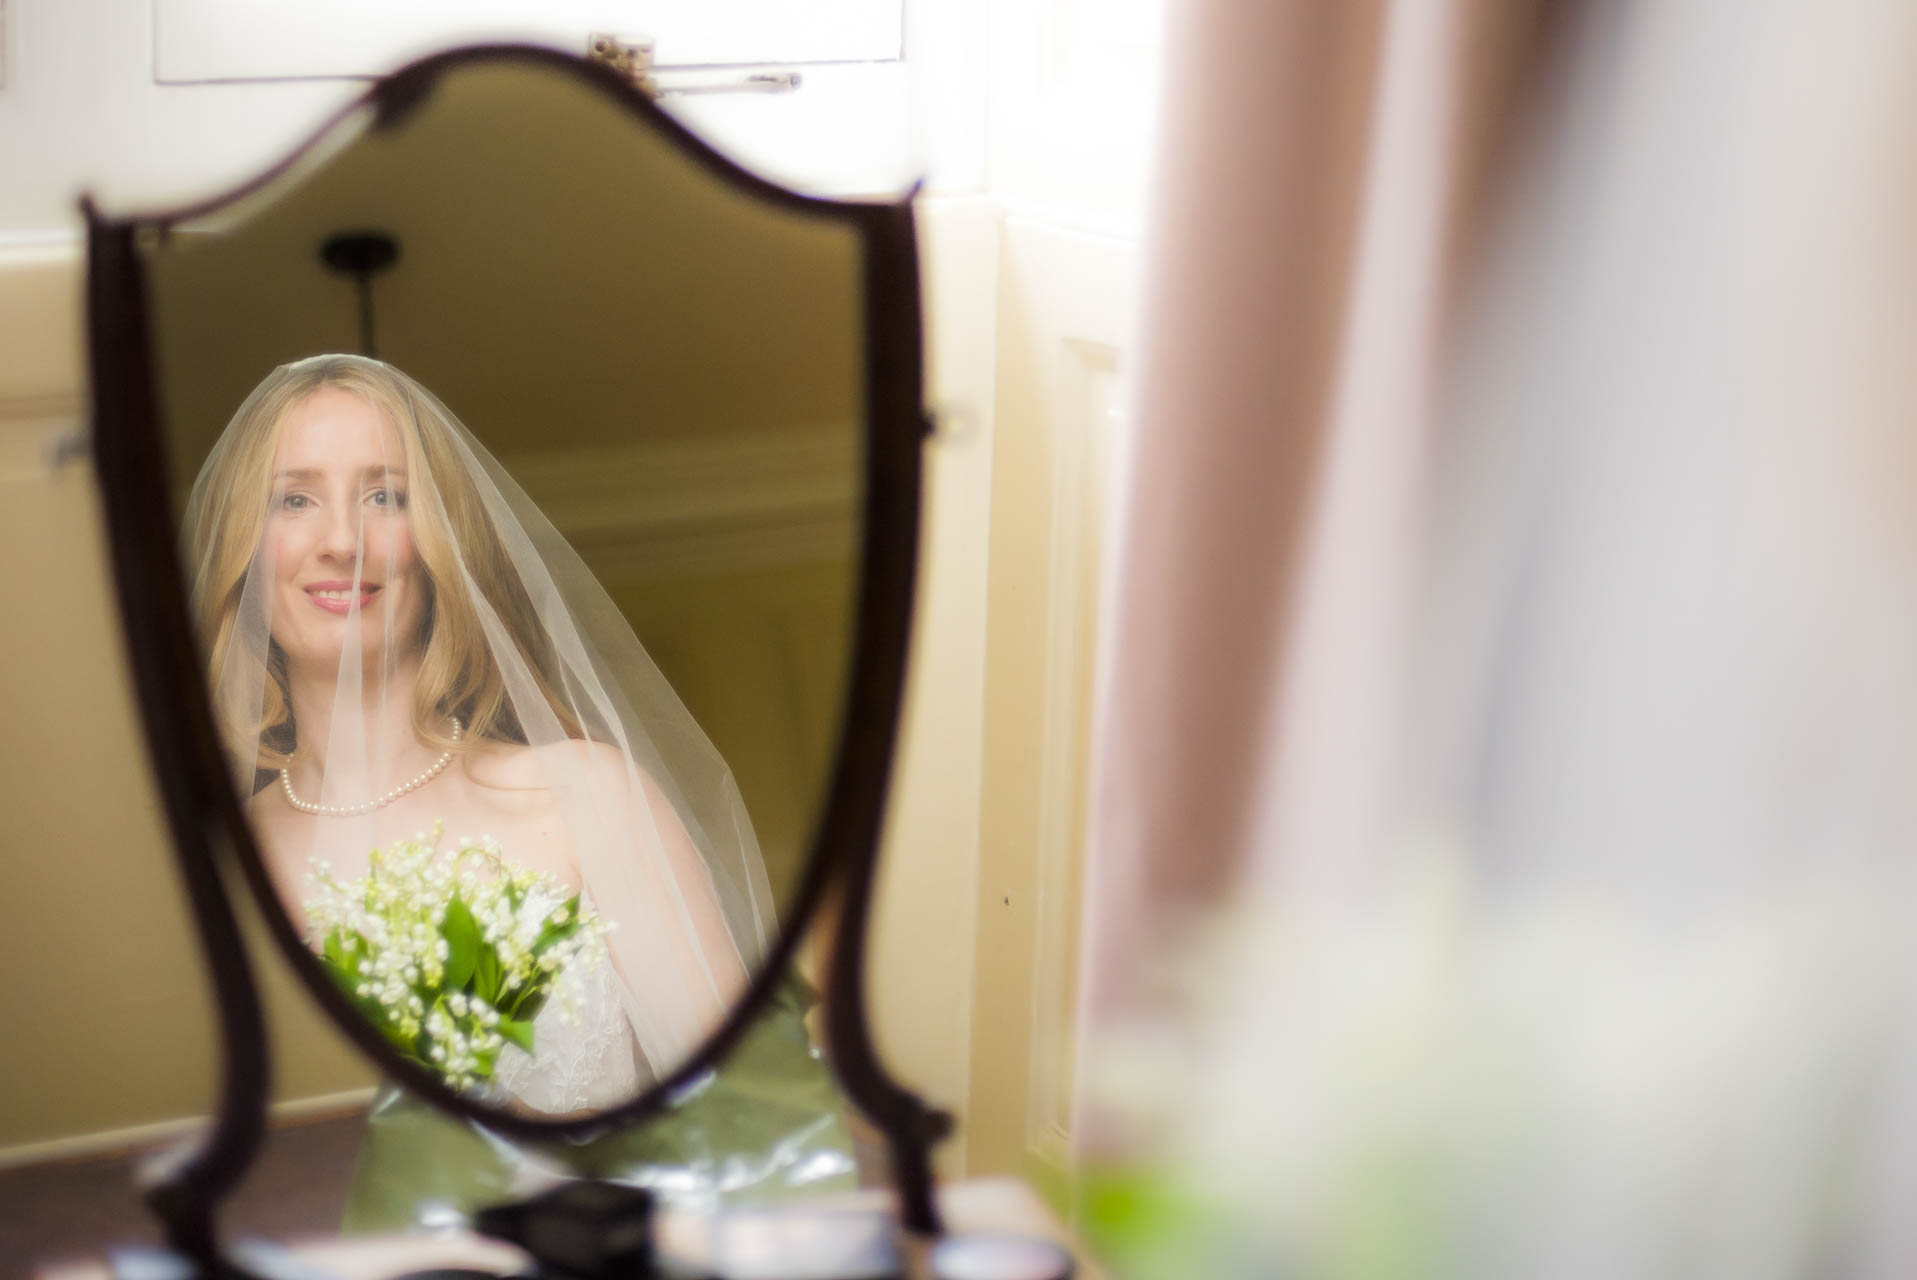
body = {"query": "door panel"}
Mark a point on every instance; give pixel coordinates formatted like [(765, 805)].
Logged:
[(1065, 304), (201, 40)]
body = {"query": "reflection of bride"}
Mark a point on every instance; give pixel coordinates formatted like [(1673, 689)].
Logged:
[(398, 640)]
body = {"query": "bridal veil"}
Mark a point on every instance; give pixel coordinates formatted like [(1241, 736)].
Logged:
[(478, 672)]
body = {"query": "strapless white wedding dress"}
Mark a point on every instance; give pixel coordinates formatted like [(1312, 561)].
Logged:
[(584, 1054), (769, 1122)]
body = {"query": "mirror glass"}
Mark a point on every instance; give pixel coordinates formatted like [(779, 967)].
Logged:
[(519, 461)]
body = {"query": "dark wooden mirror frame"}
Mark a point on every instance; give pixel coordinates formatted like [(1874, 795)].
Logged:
[(205, 815)]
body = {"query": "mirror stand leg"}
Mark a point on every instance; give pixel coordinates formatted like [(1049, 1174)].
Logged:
[(911, 1127), (184, 1188), (912, 1170)]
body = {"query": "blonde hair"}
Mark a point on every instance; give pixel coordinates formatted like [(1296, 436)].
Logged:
[(454, 537)]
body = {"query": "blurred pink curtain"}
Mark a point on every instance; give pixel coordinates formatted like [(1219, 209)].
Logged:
[(1502, 813), (1520, 452), (1316, 174)]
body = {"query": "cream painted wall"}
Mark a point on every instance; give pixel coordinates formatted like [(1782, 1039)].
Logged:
[(758, 658), (920, 983), (108, 1021)]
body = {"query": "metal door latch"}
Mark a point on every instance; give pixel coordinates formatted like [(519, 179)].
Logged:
[(633, 60)]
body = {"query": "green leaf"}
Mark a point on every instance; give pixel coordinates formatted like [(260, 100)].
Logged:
[(531, 1001), (488, 974), (550, 933), (520, 1033), (463, 943)]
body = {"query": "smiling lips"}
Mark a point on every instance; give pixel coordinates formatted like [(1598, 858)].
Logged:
[(338, 597)]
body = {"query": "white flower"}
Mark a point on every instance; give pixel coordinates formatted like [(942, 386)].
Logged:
[(391, 921)]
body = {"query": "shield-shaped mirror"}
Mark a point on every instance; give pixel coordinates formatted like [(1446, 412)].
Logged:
[(513, 506)]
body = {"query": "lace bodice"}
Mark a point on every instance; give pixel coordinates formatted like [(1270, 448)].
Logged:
[(584, 1054)]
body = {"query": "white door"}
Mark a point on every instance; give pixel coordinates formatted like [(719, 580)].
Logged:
[(1074, 102), (227, 40)]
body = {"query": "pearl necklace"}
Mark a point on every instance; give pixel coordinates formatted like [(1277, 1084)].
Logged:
[(354, 810)]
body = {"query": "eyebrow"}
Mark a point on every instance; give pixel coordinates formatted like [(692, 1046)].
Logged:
[(314, 473)]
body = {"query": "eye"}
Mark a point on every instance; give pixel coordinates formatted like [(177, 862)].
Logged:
[(295, 501), (386, 498)]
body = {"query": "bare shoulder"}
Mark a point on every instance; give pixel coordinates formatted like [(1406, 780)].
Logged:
[(611, 771), (611, 768), (516, 767), (601, 758), (505, 766), (599, 764)]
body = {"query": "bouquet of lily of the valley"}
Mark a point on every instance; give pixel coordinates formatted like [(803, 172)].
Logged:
[(439, 950)]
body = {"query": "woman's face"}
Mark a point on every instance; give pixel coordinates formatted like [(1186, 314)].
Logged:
[(338, 541)]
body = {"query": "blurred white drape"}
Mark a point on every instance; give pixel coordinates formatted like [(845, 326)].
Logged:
[(1280, 400), (1520, 496), (1266, 112)]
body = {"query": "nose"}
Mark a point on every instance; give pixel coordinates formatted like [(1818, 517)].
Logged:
[(339, 540)]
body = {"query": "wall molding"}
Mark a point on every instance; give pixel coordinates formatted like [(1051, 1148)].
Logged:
[(1065, 311), (109, 1143), (711, 504), (42, 360), (1086, 372)]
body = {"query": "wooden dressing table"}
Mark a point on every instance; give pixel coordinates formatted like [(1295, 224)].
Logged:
[(984, 1206)]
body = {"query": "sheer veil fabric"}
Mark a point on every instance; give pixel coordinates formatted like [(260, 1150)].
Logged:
[(392, 623)]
